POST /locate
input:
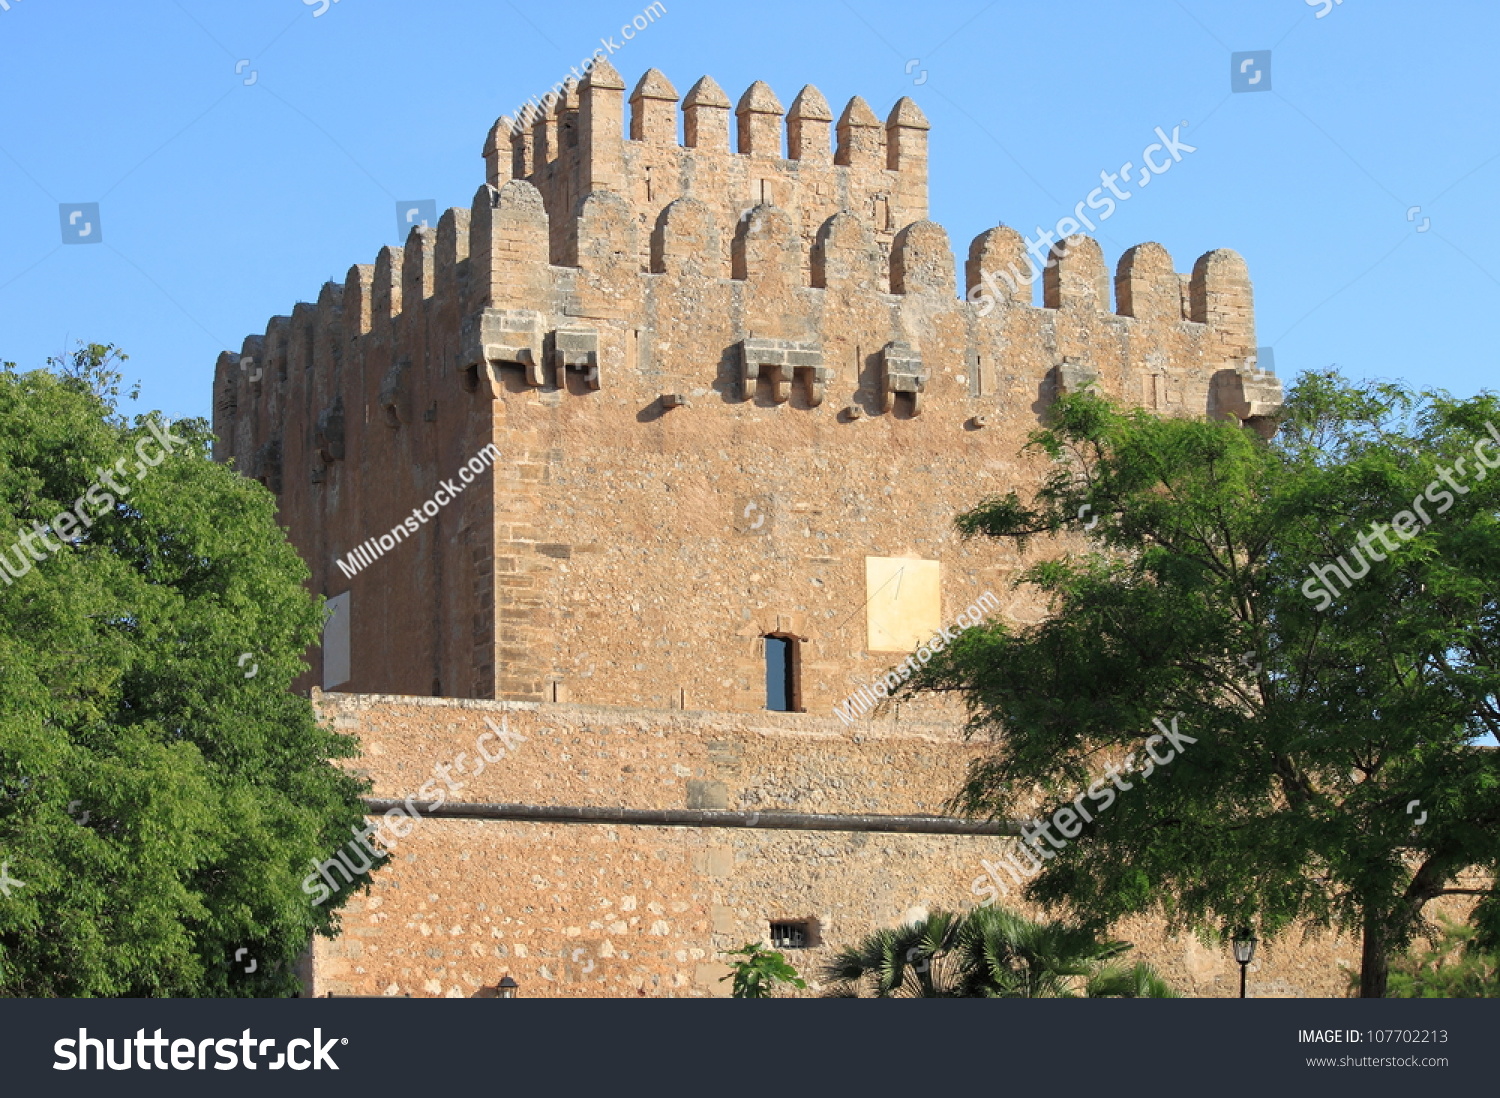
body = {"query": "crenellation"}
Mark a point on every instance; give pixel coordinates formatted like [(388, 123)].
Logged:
[(906, 137), (846, 257), (999, 268), (276, 342), (417, 263), (687, 241), (499, 151), (451, 256), (1076, 277), (906, 153), (385, 290), (509, 247), (808, 126), (922, 261), (861, 138), (328, 343), (229, 380), (767, 250), (758, 115), (301, 341), (781, 159), (523, 145), (705, 117), (653, 110), (548, 129), (1146, 286), (607, 254), (600, 131), (358, 285), (1221, 298)]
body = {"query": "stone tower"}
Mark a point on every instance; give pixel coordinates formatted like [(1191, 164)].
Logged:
[(647, 418)]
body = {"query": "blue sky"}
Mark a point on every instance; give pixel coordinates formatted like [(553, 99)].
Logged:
[(224, 202)]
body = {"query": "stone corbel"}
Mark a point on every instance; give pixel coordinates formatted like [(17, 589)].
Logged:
[(576, 349), (816, 375), (1251, 395), (764, 358), (1073, 376), (901, 371), (780, 361), (512, 336)]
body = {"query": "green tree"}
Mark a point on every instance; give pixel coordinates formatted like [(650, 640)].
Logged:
[(1451, 967), (758, 972), (1332, 777), (989, 953), (162, 791)]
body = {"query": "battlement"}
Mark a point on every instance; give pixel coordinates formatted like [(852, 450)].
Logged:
[(744, 328), (782, 157)]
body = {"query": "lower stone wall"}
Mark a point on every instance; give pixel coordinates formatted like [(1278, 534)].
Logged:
[(571, 910)]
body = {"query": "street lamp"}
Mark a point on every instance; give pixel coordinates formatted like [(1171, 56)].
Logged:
[(507, 988), (1244, 953)]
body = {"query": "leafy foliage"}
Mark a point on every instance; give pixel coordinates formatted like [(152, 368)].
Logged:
[(161, 797), (1316, 729), (989, 953), (756, 975), (1452, 967)]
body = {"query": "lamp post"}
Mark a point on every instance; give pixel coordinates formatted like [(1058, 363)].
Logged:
[(1244, 953), (507, 988)]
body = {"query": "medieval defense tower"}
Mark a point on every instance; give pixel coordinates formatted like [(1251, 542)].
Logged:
[(652, 455)]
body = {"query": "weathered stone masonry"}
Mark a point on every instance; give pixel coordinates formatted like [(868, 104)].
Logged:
[(721, 383)]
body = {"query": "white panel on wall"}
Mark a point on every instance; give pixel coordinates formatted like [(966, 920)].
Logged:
[(336, 642)]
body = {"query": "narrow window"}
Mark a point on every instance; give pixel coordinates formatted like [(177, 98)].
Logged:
[(781, 674), (791, 935)]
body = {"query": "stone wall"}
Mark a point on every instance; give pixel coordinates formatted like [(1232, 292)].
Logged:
[(609, 910)]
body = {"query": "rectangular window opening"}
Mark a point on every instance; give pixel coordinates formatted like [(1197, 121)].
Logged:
[(791, 935), (781, 675)]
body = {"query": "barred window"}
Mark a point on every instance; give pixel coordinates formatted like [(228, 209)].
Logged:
[(795, 935)]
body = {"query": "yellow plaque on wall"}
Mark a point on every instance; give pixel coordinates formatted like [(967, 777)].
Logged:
[(904, 606)]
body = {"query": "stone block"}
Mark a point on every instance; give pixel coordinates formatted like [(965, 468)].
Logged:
[(707, 794)]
